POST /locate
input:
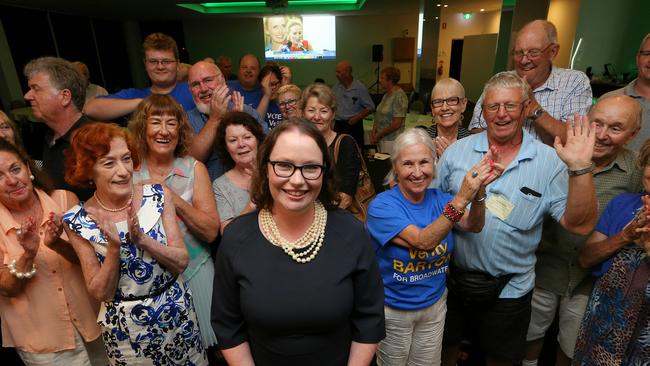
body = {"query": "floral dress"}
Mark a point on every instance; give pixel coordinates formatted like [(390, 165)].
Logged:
[(151, 319)]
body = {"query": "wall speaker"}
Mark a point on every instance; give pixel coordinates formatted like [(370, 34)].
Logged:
[(377, 52)]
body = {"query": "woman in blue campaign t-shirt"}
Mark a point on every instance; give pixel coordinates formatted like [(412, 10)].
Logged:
[(411, 228)]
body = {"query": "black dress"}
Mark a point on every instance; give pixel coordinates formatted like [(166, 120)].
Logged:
[(292, 313)]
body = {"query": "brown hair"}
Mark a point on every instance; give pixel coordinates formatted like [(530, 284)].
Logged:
[(41, 180), (160, 42), (392, 74), (88, 144), (260, 192), (235, 119), (160, 105), (643, 160), (14, 127)]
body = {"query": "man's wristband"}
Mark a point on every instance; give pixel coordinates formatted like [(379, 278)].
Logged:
[(575, 173), (536, 114)]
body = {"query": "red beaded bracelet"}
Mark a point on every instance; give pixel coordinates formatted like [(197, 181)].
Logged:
[(452, 213)]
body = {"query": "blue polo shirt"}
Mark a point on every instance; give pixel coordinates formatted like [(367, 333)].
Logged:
[(619, 212), (181, 93), (413, 279), (507, 245)]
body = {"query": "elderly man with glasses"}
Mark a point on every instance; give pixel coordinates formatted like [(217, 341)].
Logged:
[(161, 63), (492, 275), (353, 103), (556, 93)]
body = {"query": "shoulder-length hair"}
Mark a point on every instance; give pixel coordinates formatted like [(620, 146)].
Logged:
[(160, 105), (260, 191), (88, 144)]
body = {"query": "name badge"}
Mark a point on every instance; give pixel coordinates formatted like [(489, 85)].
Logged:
[(499, 206)]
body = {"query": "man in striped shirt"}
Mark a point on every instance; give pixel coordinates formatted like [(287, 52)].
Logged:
[(556, 93)]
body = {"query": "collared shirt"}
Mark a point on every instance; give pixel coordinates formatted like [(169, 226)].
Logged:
[(197, 120), (251, 97), (352, 100), (564, 93), (557, 269), (181, 93), (53, 159), (43, 316), (644, 133), (507, 245)]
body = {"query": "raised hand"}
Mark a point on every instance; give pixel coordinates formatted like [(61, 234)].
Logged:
[(442, 143), (104, 224), (135, 232), (266, 85), (576, 153), (480, 175), (493, 159), (286, 75), (28, 237), (219, 102), (53, 229), (237, 101)]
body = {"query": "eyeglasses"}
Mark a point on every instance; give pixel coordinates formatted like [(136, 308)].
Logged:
[(644, 53), (509, 106), (534, 53), (285, 169), (164, 62), (288, 103), (205, 80), (437, 103)]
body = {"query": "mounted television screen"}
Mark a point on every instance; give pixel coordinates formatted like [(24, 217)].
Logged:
[(296, 37)]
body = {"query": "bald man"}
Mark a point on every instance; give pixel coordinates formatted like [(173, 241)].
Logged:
[(560, 283), (556, 93), (353, 103), (213, 99)]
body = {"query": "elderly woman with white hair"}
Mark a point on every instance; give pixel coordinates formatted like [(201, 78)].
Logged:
[(410, 226), (448, 103)]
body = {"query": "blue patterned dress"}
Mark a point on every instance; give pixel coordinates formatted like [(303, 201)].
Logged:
[(151, 319)]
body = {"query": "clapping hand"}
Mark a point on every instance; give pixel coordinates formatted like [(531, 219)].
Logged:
[(219, 102), (53, 229), (28, 237), (576, 153), (442, 143), (135, 232), (237, 101), (104, 224), (638, 229), (480, 175)]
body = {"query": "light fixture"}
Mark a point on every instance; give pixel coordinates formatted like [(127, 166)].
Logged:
[(482, 9), (438, 5), (446, 6), (467, 16), (436, 17), (260, 6)]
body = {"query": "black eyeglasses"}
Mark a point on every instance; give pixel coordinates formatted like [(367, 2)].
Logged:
[(164, 62), (437, 103), (287, 103), (285, 169)]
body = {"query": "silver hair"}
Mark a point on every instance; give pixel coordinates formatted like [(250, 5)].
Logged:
[(645, 39), (448, 83), (507, 80), (410, 137), (549, 29), (62, 74)]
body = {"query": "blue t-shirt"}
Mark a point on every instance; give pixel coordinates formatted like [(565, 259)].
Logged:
[(618, 213), (181, 93), (413, 279), (273, 116), (251, 97)]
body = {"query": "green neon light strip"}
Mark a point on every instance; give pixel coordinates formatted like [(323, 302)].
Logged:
[(260, 6)]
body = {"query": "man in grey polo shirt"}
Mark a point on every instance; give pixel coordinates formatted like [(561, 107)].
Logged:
[(639, 89), (557, 93), (537, 181), (353, 103), (560, 283)]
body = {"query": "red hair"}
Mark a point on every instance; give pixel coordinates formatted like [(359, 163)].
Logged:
[(88, 144)]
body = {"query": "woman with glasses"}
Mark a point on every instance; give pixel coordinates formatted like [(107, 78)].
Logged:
[(299, 283), (319, 107), (391, 111), (238, 137), (448, 103), (288, 100), (163, 137)]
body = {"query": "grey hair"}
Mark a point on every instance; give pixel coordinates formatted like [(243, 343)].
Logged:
[(645, 39), (410, 137), (507, 80), (549, 29), (448, 83), (63, 75)]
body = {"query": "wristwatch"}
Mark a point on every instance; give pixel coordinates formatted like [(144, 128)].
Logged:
[(536, 114), (575, 173)]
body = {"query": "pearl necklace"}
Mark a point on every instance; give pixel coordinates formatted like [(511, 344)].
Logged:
[(101, 204), (306, 247)]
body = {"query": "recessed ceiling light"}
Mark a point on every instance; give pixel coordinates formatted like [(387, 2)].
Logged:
[(436, 17), (482, 9), (438, 5), (446, 5)]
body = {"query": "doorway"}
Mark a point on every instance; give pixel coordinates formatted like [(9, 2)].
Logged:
[(456, 58)]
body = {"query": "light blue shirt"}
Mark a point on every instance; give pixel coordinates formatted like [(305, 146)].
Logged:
[(508, 246), (352, 100)]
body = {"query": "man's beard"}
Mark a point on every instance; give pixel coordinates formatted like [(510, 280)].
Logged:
[(202, 107)]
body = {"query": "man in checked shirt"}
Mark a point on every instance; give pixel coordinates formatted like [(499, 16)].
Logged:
[(556, 93)]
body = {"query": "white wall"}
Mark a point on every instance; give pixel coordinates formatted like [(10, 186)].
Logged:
[(564, 14)]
